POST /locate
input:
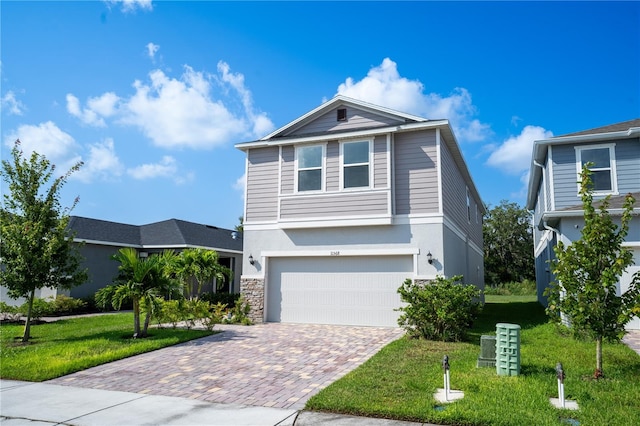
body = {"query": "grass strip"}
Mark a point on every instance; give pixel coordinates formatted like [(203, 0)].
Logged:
[(66, 346), (399, 381)]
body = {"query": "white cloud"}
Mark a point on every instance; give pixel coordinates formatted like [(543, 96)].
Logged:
[(240, 184), (165, 168), (102, 163), (104, 105), (152, 49), (513, 156), (132, 5), (182, 113), (384, 86), (87, 116), (11, 105), (59, 147)]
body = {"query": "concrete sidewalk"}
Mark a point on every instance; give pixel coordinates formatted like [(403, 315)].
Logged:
[(40, 404)]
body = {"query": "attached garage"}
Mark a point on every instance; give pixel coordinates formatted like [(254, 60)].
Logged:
[(348, 290)]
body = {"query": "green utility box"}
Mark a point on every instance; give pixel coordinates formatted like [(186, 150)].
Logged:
[(487, 356), (507, 349)]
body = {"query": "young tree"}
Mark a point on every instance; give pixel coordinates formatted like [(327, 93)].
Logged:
[(508, 243), (588, 270), (194, 267), (143, 281), (37, 249)]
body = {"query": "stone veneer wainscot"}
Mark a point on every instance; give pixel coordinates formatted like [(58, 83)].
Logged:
[(253, 291)]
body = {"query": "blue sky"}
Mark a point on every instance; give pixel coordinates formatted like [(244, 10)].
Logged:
[(153, 96)]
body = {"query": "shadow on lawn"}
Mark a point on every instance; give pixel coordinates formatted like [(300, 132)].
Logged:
[(525, 314)]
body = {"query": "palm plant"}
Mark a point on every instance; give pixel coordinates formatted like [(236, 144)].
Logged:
[(194, 267), (141, 280)]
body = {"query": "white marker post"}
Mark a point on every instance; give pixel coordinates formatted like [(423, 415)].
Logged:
[(447, 395), (560, 374), (560, 402), (447, 377)]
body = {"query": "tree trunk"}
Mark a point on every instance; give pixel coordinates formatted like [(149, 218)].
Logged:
[(598, 374), (147, 320), (136, 317), (27, 324)]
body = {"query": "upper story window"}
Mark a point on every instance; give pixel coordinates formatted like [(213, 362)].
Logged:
[(603, 173), (468, 206), (310, 161), (355, 164), (342, 114)]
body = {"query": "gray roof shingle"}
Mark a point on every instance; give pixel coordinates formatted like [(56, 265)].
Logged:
[(167, 233), (616, 127)]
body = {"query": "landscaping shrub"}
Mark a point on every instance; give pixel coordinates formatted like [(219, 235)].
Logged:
[(65, 305), (442, 309), (228, 299), (514, 288)]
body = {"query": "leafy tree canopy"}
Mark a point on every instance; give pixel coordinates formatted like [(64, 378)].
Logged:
[(508, 244), (37, 249)]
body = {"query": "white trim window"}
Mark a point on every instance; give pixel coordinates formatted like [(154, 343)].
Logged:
[(603, 169), (355, 163), (310, 168)]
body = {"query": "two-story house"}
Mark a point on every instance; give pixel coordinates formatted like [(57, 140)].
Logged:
[(553, 194), (345, 203)]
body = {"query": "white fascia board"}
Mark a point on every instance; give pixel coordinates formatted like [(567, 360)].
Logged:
[(186, 246), (337, 252), (335, 222), (345, 135), (580, 213), (105, 243)]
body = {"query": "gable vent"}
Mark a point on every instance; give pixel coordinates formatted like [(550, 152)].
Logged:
[(342, 114)]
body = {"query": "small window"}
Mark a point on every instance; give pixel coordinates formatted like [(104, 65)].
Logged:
[(468, 206), (310, 159), (355, 162), (602, 167), (342, 114)]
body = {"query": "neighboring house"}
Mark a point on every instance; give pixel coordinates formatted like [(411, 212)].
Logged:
[(346, 202), (102, 239), (554, 184)]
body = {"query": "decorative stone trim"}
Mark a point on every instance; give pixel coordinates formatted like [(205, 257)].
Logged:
[(253, 291)]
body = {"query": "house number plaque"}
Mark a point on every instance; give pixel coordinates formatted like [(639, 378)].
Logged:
[(335, 253)]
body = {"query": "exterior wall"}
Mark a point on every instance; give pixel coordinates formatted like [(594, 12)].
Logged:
[(454, 200), (101, 269), (262, 185), (565, 178), (462, 258), (328, 205), (415, 172), (420, 237), (380, 162), (356, 119)]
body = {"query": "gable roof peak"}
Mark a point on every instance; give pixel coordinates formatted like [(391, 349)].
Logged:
[(335, 102)]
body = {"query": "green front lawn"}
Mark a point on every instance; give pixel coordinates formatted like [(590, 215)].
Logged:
[(399, 381), (71, 345)]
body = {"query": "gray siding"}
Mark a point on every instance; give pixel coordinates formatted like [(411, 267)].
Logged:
[(287, 167), (356, 119), (333, 167), (262, 184), (319, 206), (416, 174), (101, 268), (454, 199), (565, 178), (380, 162), (628, 166)]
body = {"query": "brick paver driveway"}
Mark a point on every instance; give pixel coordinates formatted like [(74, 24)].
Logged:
[(270, 365)]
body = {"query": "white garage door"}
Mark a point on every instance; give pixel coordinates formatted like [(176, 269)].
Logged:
[(625, 281), (336, 290)]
